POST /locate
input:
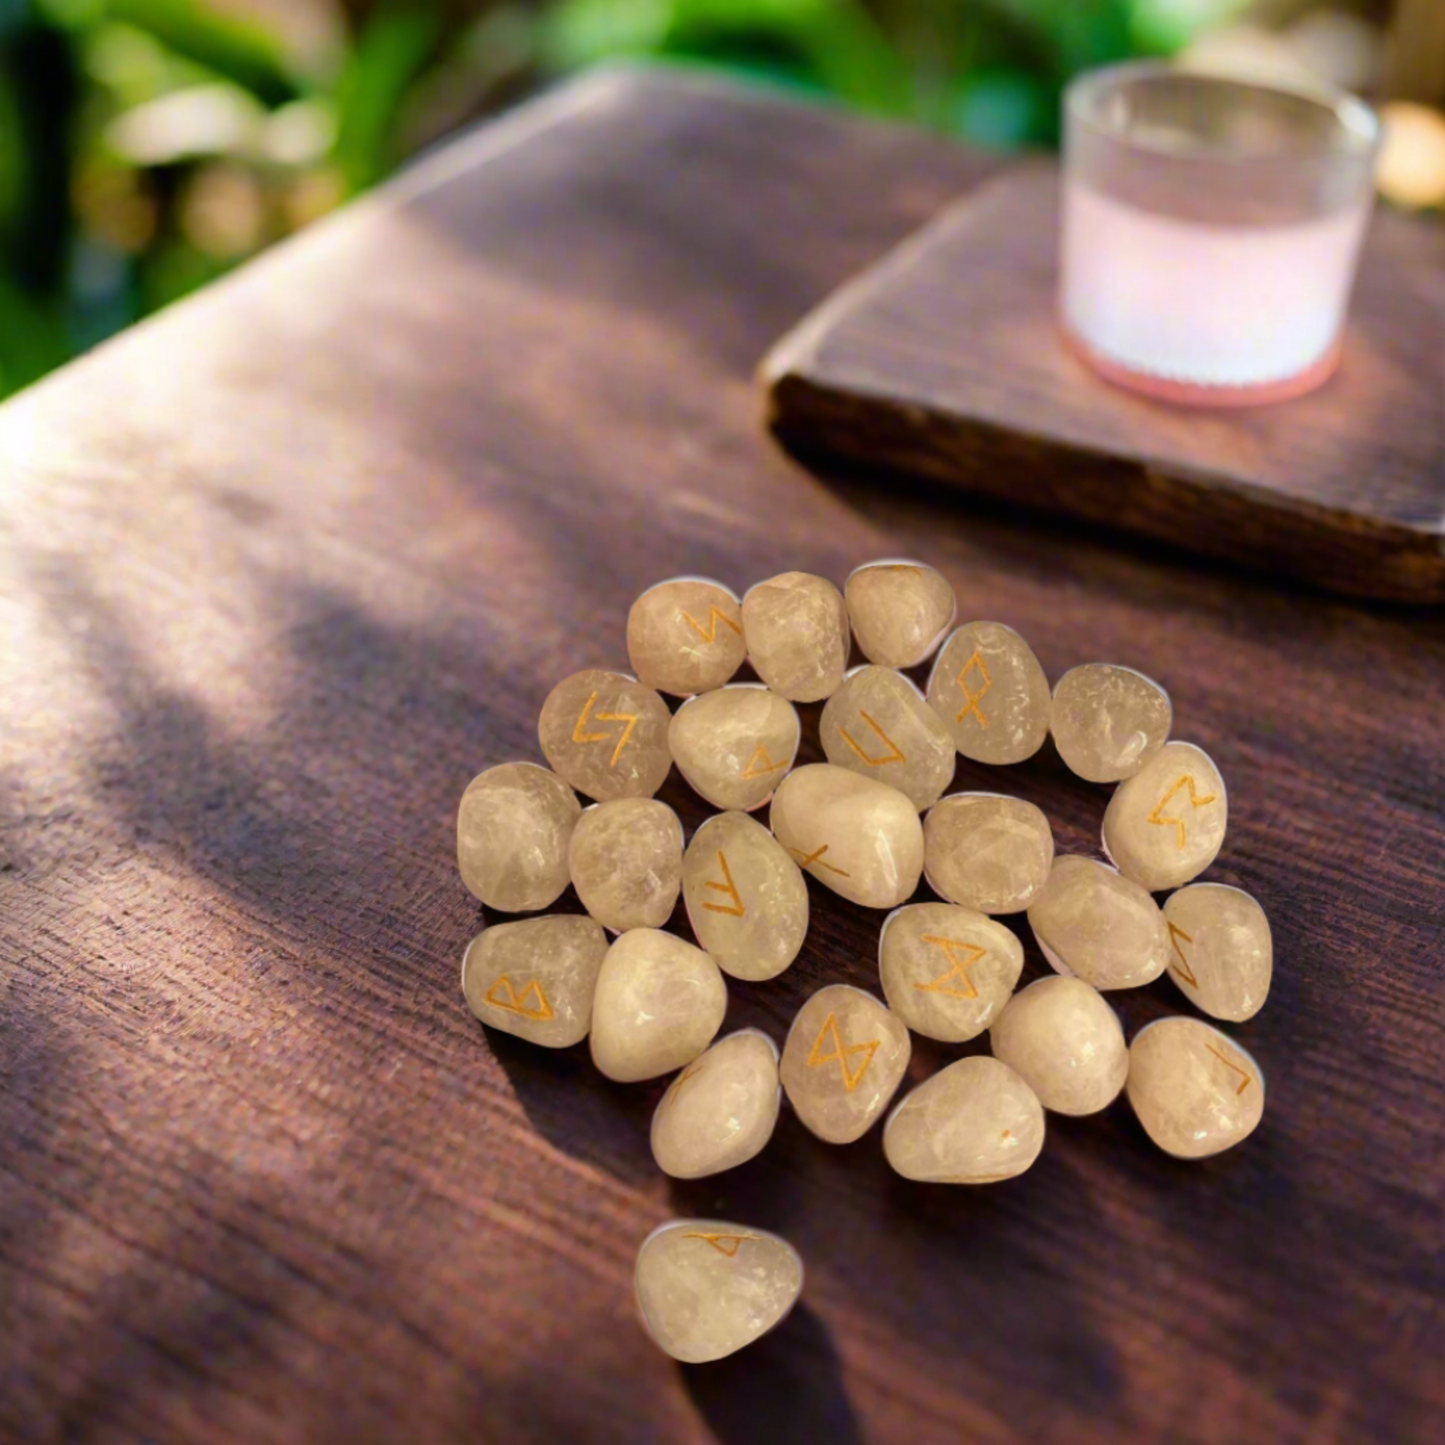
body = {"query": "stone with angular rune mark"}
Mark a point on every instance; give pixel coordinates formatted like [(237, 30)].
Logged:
[(734, 746), (1093, 922), (1108, 721), (899, 611), (513, 828), (685, 636), (626, 862), (606, 734), (991, 693), (1065, 1042), (797, 633), (721, 1110), (1164, 826), (986, 851), (1222, 953)]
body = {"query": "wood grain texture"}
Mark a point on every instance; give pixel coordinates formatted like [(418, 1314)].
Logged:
[(286, 567), (945, 359)]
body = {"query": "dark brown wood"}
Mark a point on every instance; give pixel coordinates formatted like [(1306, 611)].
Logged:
[(288, 566), (945, 359)]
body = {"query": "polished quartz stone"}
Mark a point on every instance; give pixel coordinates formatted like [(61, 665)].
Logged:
[(1092, 922), (706, 1288), (797, 633), (844, 1059), (1196, 1092), (626, 862), (947, 971), (720, 1110), (735, 745), (1164, 826), (1221, 950), (535, 978), (606, 734), (658, 1004), (685, 636), (975, 1122), (879, 726), (899, 610), (862, 838), (1109, 721), (991, 693), (986, 851), (513, 827), (746, 898), (1065, 1042)]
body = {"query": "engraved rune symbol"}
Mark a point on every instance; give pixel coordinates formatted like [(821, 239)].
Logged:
[(1195, 801), (714, 616), (727, 1244), (760, 763), (504, 996), (806, 860), (964, 987), (893, 755), (730, 888), (1182, 968), (842, 1053), (1245, 1077), (578, 736), (975, 663)]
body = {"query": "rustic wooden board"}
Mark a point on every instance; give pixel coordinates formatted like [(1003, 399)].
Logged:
[(286, 567), (945, 359)]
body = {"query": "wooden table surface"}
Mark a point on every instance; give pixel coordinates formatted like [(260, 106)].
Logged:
[(286, 567)]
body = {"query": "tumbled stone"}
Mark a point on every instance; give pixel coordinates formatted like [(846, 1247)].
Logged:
[(1221, 949), (1065, 1042), (796, 627), (535, 978), (706, 1288), (513, 828), (685, 635), (746, 898), (879, 726), (975, 1122), (720, 1110), (899, 610), (843, 1060), (659, 1001), (626, 862), (862, 838), (606, 734), (991, 693), (1092, 922), (735, 745), (1196, 1092), (1164, 826), (1108, 721), (947, 971), (986, 851)]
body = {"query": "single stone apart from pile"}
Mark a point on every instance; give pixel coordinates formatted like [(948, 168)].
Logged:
[(746, 898), (1196, 1092), (685, 636), (706, 1288), (986, 851), (536, 978), (1164, 826), (860, 837), (513, 828), (1095, 923), (658, 1004), (899, 611), (796, 627), (975, 1122), (734, 745), (991, 693), (1065, 1042), (947, 971), (720, 1110), (1108, 721), (606, 734), (626, 862), (1221, 950), (879, 726)]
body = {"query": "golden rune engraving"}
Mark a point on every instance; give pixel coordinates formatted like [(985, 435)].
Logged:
[(1246, 1078), (959, 969), (1182, 967), (504, 996), (1195, 801), (730, 888), (578, 736), (691, 1072), (760, 763), (894, 754), (714, 616), (841, 1053), (806, 860), (974, 698), (720, 1242)]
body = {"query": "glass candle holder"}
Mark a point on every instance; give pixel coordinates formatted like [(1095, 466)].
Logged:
[(1210, 231)]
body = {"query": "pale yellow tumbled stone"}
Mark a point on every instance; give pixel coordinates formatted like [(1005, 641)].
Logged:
[(862, 838), (746, 898), (843, 1061), (1221, 949), (1164, 826), (735, 745), (796, 627), (1108, 721), (720, 1110), (879, 726), (535, 978), (986, 851), (658, 1004), (1196, 1092), (1065, 1042), (513, 828), (899, 611), (975, 1122), (947, 971), (606, 734), (1093, 922), (991, 693), (626, 862), (685, 635), (705, 1288)]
